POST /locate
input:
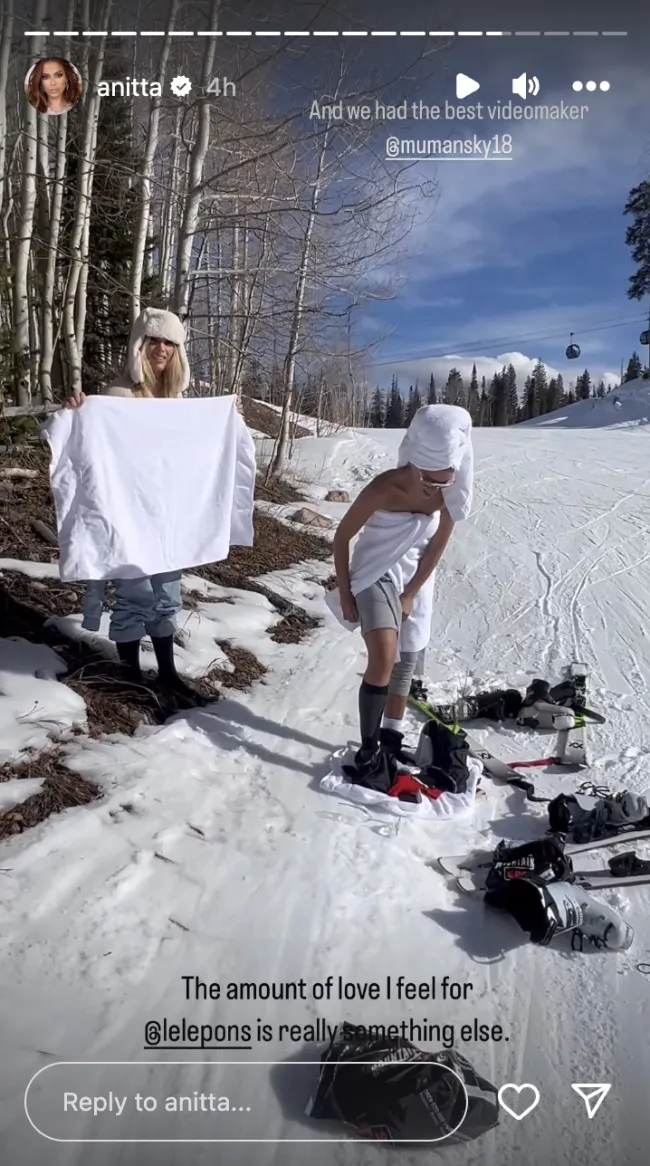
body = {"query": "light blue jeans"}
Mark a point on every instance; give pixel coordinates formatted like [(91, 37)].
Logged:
[(145, 606)]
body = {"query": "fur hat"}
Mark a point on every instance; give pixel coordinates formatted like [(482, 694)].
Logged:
[(158, 325)]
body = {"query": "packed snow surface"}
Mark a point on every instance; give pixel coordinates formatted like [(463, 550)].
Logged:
[(215, 853)]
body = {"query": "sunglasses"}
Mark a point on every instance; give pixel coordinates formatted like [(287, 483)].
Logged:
[(432, 482)]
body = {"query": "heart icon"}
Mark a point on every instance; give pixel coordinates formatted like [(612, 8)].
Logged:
[(518, 1089)]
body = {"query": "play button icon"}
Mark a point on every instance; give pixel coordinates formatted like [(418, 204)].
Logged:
[(465, 85)]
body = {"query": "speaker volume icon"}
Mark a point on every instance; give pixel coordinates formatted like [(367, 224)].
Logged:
[(525, 86)]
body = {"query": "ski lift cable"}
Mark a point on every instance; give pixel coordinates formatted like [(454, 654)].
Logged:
[(483, 347)]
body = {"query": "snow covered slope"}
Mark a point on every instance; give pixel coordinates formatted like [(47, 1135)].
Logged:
[(215, 853), (625, 406)]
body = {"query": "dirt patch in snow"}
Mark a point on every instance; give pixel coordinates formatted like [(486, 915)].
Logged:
[(259, 417), (61, 790)]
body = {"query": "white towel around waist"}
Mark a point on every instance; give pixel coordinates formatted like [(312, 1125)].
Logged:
[(391, 543)]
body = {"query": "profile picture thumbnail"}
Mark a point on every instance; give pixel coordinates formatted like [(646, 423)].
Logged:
[(53, 85)]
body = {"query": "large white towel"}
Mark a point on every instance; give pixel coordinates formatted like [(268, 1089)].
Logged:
[(144, 487), (440, 438), (391, 543)]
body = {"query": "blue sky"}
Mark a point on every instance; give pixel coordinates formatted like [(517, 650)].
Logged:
[(518, 255)]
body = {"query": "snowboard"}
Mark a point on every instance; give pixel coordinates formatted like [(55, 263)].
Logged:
[(573, 742)]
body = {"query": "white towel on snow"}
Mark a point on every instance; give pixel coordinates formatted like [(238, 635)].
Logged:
[(444, 808), (144, 487)]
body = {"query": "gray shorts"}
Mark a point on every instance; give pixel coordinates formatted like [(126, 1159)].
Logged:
[(379, 607)]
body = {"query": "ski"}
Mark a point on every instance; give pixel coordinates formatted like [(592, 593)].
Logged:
[(573, 742), (453, 865), (587, 880)]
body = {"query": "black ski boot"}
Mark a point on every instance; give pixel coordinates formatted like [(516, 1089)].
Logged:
[(129, 654), (391, 742), (184, 696), (418, 691)]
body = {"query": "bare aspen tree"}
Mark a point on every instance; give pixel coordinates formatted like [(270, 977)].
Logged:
[(53, 236), (145, 193), (278, 460), (82, 212), (6, 33), (24, 228), (170, 210), (198, 155)]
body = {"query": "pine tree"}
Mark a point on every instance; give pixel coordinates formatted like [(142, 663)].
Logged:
[(499, 399), (395, 410), (561, 391), (583, 386), (541, 388), (512, 395), (637, 237), (408, 408), (454, 388), (432, 398), (634, 368), (554, 394), (377, 410), (600, 390), (473, 397), (485, 414), (530, 400), (415, 402)]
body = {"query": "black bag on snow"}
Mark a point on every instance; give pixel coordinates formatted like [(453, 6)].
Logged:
[(404, 1095), (442, 756), (583, 818)]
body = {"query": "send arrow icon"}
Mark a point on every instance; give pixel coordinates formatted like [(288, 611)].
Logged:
[(593, 1095)]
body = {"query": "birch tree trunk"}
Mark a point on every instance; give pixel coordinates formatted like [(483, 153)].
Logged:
[(197, 163), (153, 129), (82, 211), (25, 225), (235, 307), (55, 206), (49, 282), (278, 460), (6, 32), (170, 212)]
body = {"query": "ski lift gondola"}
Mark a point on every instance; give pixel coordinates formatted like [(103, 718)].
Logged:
[(573, 350)]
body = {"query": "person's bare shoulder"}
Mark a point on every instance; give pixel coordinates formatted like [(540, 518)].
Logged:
[(388, 487)]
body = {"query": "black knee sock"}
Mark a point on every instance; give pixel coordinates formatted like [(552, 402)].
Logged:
[(372, 702)]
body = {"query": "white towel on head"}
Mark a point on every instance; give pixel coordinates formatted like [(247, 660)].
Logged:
[(440, 438)]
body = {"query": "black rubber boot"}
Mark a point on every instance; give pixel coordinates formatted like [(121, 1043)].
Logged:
[(392, 742), (377, 772), (129, 654), (185, 696)]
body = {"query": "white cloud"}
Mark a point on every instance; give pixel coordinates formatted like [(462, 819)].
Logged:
[(408, 372)]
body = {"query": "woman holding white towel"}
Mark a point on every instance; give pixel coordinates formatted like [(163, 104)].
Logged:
[(157, 367), (404, 519)]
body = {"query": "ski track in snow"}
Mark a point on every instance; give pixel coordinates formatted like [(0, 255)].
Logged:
[(215, 853)]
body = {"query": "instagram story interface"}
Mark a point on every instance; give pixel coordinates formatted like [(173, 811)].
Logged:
[(324, 792)]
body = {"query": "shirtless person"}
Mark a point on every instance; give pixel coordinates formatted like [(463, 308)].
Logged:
[(405, 518)]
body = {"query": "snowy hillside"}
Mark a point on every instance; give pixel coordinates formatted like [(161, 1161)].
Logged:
[(628, 404), (215, 853)]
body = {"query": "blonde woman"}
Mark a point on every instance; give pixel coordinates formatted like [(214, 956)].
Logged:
[(157, 368)]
